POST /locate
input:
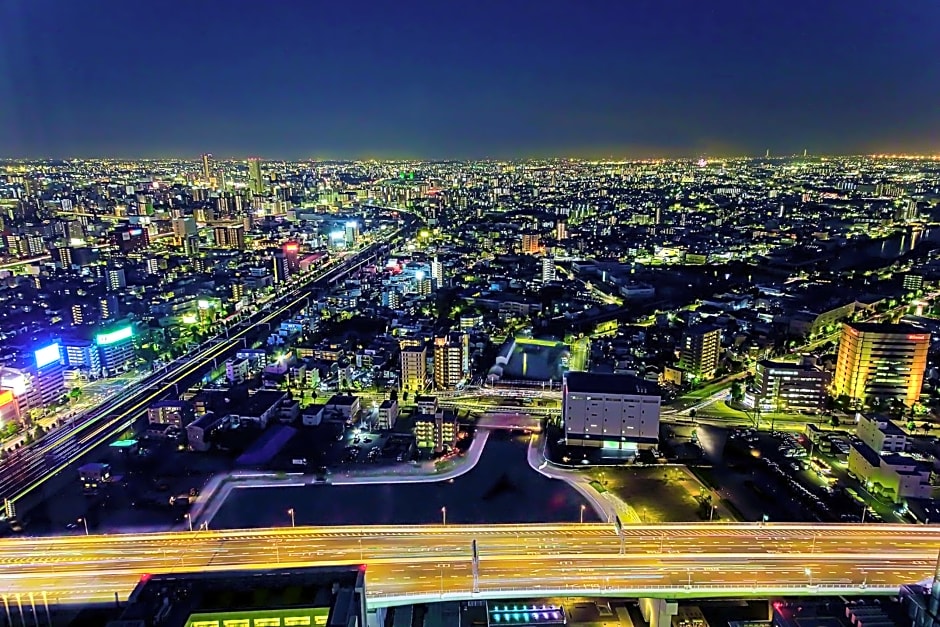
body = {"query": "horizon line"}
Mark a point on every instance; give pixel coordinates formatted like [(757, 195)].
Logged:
[(611, 158)]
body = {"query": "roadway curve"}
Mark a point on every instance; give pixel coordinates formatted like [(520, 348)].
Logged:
[(411, 564)]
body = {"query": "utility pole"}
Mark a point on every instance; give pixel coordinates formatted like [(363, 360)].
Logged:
[(476, 567)]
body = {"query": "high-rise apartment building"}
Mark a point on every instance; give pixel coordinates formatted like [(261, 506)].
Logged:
[(561, 230), (206, 167), (451, 360), (913, 282), (530, 243), (414, 368), (699, 351), (548, 269), (184, 227), (117, 280), (881, 361), (437, 272), (255, 182), (229, 236)]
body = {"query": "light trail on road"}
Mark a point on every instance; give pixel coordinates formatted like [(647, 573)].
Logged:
[(416, 561)]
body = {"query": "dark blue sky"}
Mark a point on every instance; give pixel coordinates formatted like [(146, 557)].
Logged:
[(471, 78)]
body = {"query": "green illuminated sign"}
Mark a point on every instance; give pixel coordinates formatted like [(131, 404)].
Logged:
[(293, 617), (103, 339)]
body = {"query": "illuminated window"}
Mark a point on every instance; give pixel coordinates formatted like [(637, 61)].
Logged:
[(204, 623), (236, 622), (296, 621), (267, 622)]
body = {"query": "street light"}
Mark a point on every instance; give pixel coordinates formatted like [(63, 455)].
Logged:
[(85, 522), (293, 523), (189, 520), (809, 573), (582, 513), (444, 515)]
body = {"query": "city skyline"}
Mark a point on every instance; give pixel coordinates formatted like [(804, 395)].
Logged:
[(491, 81)]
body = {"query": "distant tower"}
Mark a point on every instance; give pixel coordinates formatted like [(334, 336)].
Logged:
[(767, 154), (804, 152), (206, 167), (254, 175)]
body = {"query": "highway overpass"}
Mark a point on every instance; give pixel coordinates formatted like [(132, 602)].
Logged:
[(408, 564)]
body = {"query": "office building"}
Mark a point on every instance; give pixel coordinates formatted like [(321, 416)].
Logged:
[(781, 387), (184, 227), (255, 182), (83, 355), (561, 230), (414, 368), (130, 239), (877, 458), (116, 349), (699, 352), (616, 412), (880, 362), (351, 233), (451, 360), (9, 407), (229, 236), (291, 252)]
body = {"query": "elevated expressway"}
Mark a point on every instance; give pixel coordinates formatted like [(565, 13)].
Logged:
[(26, 472), (426, 563)]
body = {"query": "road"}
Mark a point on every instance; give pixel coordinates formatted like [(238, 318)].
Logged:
[(426, 562), (29, 468)]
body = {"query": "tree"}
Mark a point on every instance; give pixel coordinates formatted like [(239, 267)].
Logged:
[(737, 391), (834, 420)]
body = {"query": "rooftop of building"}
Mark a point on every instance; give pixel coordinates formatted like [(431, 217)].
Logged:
[(886, 327), (885, 425), (593, 382), (342, 400), (176, 597)]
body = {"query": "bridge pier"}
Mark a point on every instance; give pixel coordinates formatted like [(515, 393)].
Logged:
[(658, 612)]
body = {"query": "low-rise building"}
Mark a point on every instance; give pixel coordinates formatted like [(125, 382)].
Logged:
[(170, 412), (896, 476), (345, 406), (879, 462), (388, 414), (437, 431), (200, 432), (261, 407), (611, 411)]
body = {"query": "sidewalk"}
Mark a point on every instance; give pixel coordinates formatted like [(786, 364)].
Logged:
[(606, 505), (218, 487)]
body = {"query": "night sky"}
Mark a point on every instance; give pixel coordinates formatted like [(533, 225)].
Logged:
[(467, 79)]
